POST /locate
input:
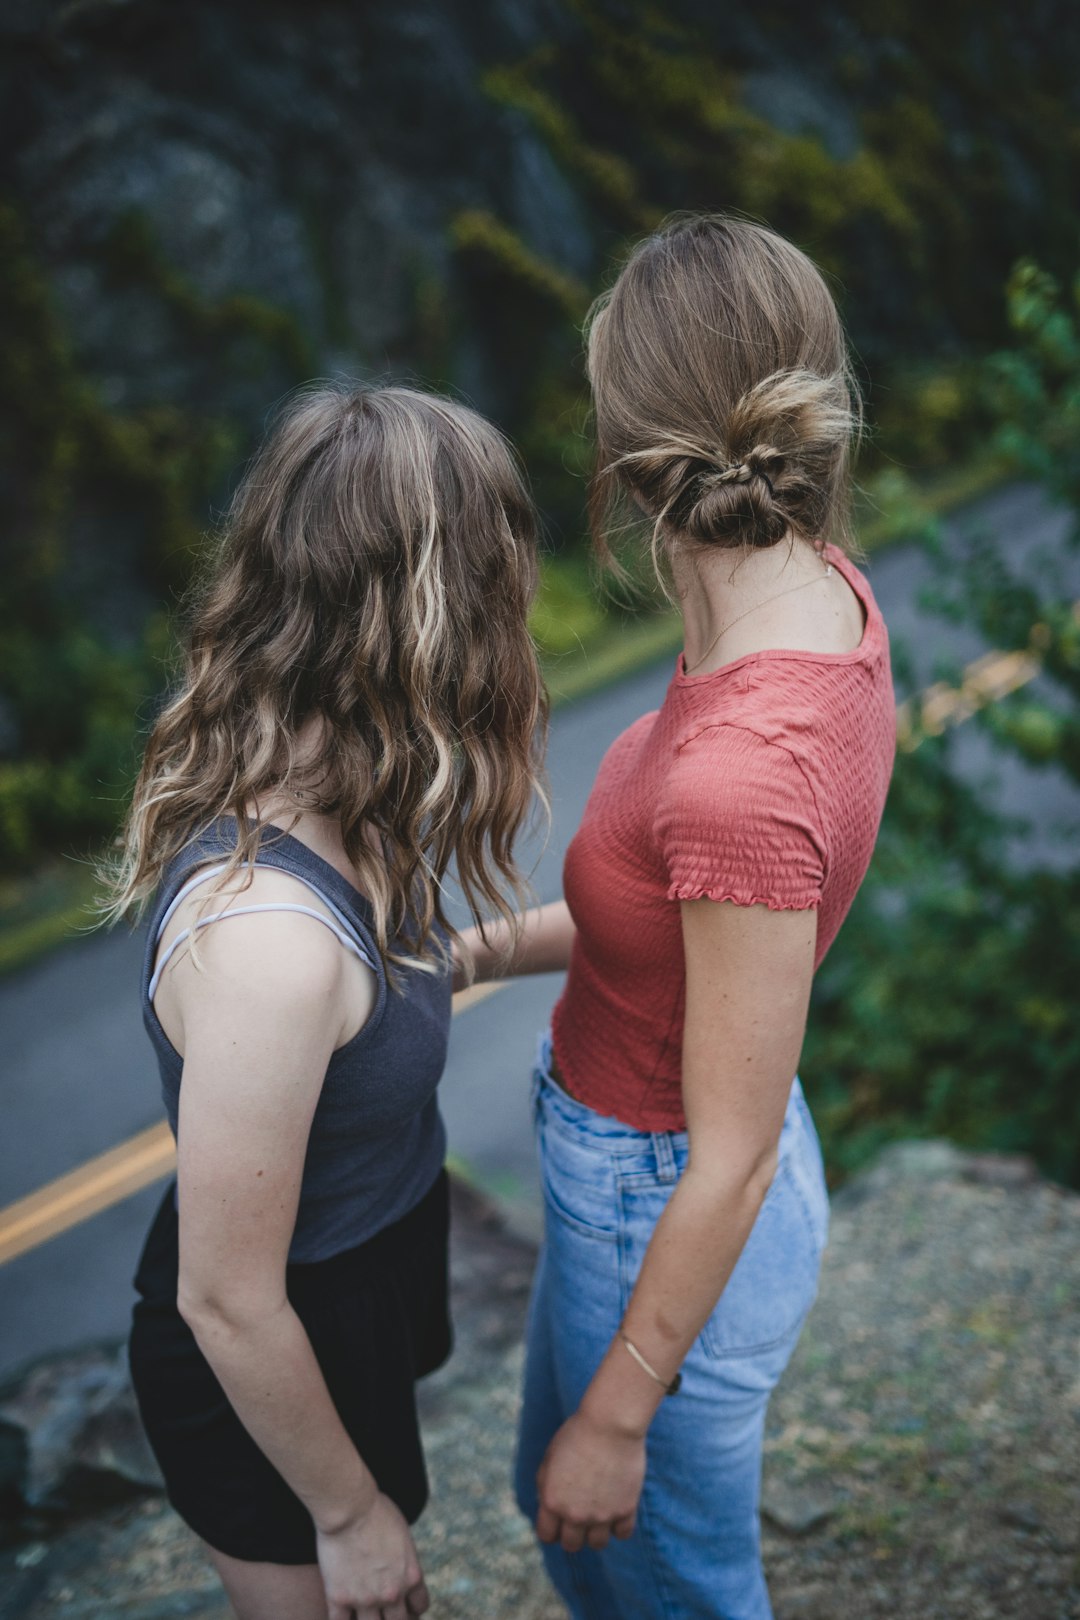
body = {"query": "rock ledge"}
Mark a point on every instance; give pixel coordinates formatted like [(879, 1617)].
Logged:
[(922, 1457)]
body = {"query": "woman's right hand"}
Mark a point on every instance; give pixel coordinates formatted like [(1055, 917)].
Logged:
[(370, 1569)]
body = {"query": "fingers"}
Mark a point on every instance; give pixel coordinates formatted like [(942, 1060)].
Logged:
[(572, 1536), (417, 1600), (547, 1524), (413, 1601)]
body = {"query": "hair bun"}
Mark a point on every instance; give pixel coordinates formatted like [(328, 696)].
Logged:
[(761, 462), (734, 502)]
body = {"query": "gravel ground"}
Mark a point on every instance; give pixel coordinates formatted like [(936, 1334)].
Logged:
[(933, 1408), (923, 1453)]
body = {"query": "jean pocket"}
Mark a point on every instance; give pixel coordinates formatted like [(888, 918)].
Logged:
[(775, 1279), (578, 1183)]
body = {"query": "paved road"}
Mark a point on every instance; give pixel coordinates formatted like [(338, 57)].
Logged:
[(77, 1075)]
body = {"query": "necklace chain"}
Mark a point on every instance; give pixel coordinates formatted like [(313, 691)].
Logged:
[(689, 669)]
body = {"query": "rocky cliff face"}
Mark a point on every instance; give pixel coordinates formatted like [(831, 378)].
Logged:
[(203, 204), (307, 159), (387, 178)]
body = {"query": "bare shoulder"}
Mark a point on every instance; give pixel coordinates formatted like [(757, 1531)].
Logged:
[(279, 947), (264, 965)]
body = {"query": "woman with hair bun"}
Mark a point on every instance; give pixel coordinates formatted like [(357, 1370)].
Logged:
[(722, 845), (360, 707)]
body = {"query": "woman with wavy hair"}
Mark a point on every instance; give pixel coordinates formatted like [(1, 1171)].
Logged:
[(361, 706), (722, 845)]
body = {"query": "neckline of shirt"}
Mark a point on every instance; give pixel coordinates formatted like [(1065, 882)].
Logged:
[(287, 843), (868, 646)]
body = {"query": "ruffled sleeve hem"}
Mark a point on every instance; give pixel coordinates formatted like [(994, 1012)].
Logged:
[(703, 891)]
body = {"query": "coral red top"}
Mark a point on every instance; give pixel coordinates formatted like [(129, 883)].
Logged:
[(762, 782)]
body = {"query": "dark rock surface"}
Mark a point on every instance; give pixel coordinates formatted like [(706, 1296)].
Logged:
[(308, 157), (315, 157), (922, 1454), (74, 1436)]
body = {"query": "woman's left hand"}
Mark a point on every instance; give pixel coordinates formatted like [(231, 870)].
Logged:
[(589, 1482)]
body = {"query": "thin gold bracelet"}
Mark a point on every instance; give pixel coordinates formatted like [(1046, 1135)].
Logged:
[(668, 1389)]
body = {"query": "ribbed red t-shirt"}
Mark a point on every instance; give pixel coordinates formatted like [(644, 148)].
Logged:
[(762, 782)]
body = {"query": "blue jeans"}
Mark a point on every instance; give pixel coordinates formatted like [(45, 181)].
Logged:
[(695, 1553)]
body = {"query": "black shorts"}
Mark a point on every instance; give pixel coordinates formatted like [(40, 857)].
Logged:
[(378, 1319)]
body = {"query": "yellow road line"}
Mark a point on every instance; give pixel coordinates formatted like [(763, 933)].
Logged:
[(86, 1190), (117, 1174), (149, 1156), (477, 992)]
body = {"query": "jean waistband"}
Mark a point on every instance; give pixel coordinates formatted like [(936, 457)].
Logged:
[(613, 1134), (604, 1130)]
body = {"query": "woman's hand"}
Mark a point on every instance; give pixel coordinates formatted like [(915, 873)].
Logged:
[(543, 946), (370, 1568), (589, 1482)]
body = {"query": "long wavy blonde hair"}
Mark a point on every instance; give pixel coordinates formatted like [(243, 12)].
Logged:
[(373, 576)]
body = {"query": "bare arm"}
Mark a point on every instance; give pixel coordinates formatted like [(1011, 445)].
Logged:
[(260, 1020), (748, 976), (544, 946)]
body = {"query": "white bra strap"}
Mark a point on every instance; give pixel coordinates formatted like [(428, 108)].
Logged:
[(344, 922), (181, 894), (245, 911), (346, 934), (214, 871)]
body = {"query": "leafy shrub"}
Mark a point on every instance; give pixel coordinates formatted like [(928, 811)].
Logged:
[(948, 1005), (104, 518)]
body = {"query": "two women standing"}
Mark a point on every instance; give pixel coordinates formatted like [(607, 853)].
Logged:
[(361, 708)]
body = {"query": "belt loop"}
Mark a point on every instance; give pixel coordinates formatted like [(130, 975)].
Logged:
[(665, 1156)]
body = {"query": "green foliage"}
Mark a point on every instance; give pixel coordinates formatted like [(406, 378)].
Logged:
[(134, 259), (606, 176), (74, 674), (79, 701), (475, 231), (566, 614), (691, 107), (1036, 385), (913, 211), (948, 1005), (933, 413), (531, 313)]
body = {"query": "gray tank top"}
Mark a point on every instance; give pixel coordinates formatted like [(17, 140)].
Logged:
[(377, 1140)]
